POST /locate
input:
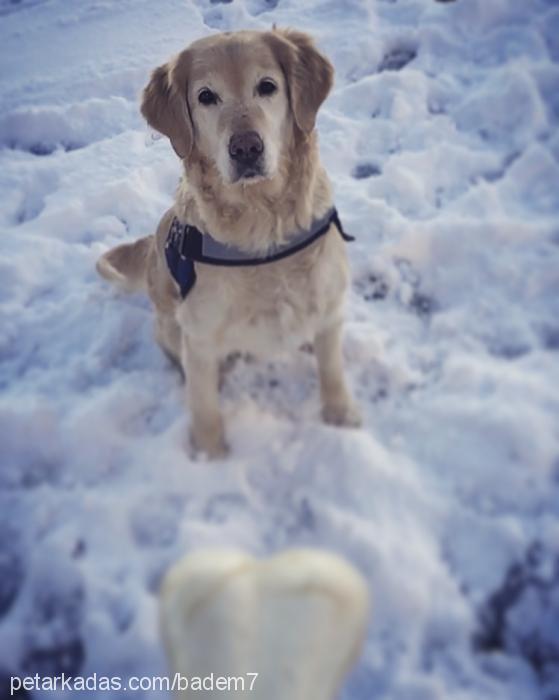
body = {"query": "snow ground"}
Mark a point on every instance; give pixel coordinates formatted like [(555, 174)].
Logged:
[(441, 139)]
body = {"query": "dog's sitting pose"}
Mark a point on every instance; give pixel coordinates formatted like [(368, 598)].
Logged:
[(251, 257)]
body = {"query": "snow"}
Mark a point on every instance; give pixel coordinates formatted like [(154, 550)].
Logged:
[(442, 143)]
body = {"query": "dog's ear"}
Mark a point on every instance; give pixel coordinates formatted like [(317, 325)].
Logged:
[(308, 73), (165, 105)]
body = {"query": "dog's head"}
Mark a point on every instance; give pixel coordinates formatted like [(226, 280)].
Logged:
[(237, 98)]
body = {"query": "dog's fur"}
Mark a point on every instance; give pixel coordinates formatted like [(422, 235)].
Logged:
[(260, 309)]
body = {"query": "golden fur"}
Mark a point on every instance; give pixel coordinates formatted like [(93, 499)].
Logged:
[(256, 309)]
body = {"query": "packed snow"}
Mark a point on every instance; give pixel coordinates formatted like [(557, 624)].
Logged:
[(441, 140)]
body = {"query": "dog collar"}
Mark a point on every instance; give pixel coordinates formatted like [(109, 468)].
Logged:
[(186, 245)]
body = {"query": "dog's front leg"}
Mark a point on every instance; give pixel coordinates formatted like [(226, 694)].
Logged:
[(338, 406), (201, 369)]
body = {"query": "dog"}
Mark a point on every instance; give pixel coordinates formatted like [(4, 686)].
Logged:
[(239, 109)]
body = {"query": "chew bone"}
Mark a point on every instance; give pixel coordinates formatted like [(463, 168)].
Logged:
[(290, 626)]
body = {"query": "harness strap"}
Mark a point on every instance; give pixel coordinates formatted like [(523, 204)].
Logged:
[(186, 244)]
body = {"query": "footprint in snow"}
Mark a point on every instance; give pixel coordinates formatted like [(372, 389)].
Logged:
[(372, 288), (509, 351), (422, 304), (258, 7), (521, 617), (39, 147), (44, 129), (414, 299), (366, 170), (397, 58), (214, 18), (52, 625)]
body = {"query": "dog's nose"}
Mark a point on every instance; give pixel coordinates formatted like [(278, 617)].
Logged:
[(246, 147)]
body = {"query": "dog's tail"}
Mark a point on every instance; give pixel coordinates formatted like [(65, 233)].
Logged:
[(126, 265)]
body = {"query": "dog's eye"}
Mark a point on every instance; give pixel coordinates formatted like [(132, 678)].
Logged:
[(266, 87), (207, 97)]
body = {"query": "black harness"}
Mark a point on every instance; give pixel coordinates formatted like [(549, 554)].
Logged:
[(186, 245)]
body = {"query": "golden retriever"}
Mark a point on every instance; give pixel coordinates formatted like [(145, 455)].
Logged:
[(239, 109)]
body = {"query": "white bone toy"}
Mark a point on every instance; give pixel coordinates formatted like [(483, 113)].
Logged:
[(290, 626)]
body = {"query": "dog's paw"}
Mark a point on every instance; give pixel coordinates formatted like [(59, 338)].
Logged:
[(212, 444), (345, 414)]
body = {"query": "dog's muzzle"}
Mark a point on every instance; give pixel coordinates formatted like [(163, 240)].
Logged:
[(246, 150)]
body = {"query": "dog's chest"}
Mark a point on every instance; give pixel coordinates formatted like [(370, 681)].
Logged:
[(270, 308)]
